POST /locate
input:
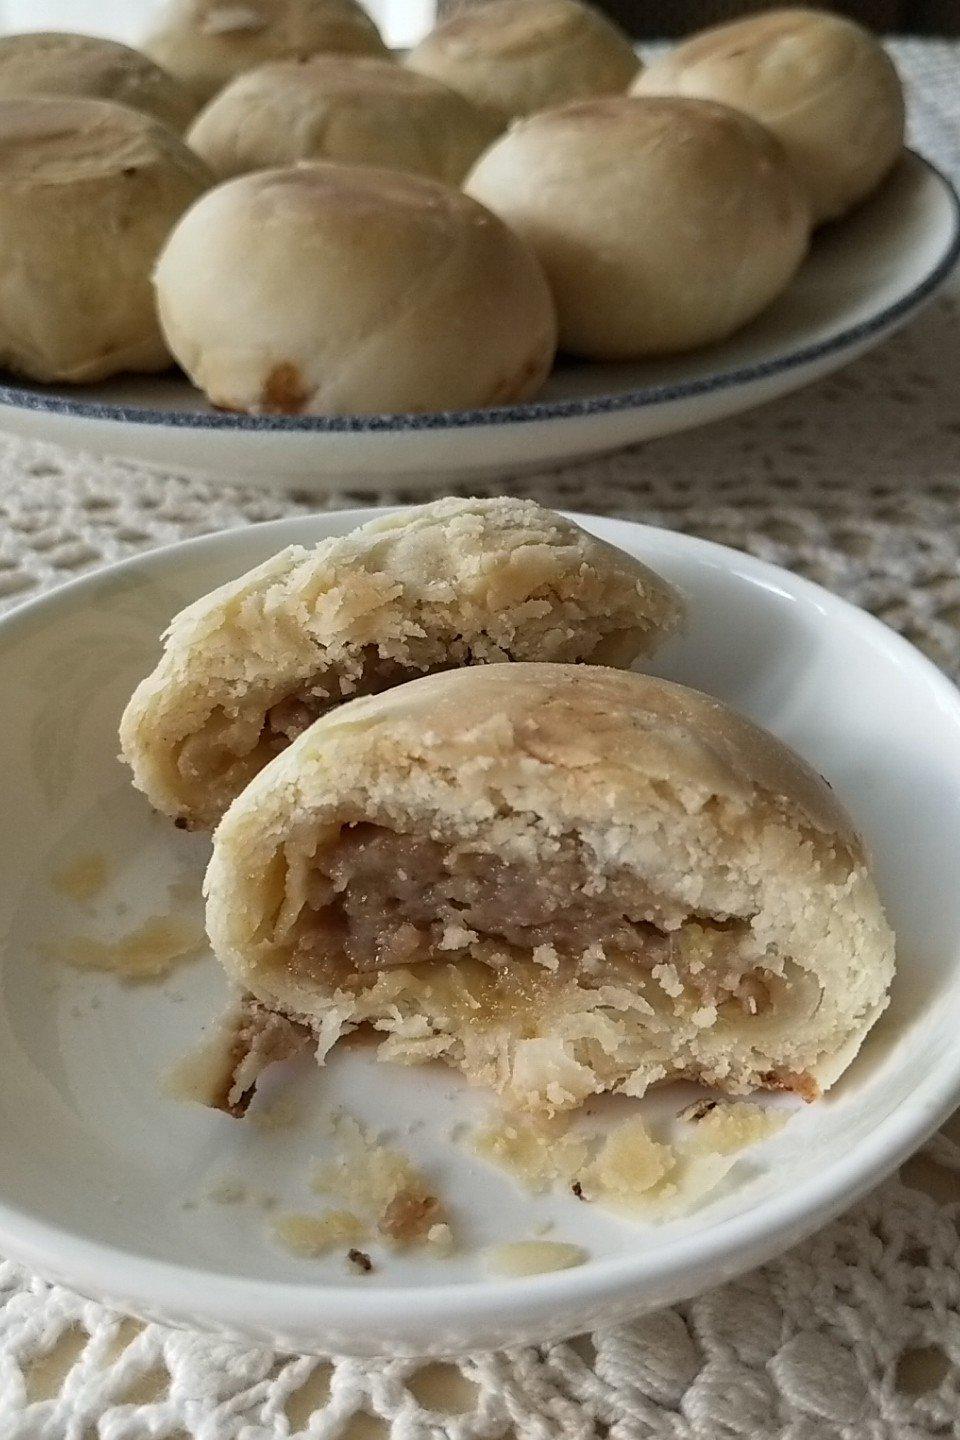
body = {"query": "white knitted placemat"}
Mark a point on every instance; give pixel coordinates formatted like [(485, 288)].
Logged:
[(854, 1335)]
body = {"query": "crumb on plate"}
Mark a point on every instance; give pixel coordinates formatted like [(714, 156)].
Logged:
[(532, 1257), (311, 1236), (381, 1182), (628, 1169), (540, 1153), (440, 1237), (149, 952), (83, 878)]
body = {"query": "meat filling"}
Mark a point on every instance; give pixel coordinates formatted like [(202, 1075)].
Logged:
[(379, 899)]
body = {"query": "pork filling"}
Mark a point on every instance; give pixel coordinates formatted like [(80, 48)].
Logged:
[(377, 899)]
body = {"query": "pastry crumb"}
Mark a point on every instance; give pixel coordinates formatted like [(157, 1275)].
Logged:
[(630, 1162), (724, 1127), (440, 1237), (532, 1257), (629, 1169), (311, 1236), (378, 1181), (83, 878), (669, 980), (149, 952), (540, 1153), (636, 1174), (546, 955), (361, 1260), (410, 1216)]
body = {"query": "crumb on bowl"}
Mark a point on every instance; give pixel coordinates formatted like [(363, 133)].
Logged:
[(312, 1236), (532, 1257)]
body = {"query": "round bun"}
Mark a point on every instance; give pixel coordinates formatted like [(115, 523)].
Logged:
[(205, 43), (331, 289), (560, 879), (83, 65), (456, 582), (89, 192), (518, 56), (356, 110), (661, 224), (823, 85)]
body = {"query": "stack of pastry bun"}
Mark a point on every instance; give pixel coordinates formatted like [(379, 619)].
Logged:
[(309, 224)]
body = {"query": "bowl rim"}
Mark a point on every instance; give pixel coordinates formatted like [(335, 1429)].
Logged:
[(738, 1242), (51, 402)]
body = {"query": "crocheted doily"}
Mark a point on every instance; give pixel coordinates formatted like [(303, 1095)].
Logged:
[(855, 483)]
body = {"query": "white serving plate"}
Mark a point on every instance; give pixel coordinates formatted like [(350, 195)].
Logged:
[(102, 1171), (864, 278)]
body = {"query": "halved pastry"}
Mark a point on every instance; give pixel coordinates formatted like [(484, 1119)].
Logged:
[(561, 880), (458, 582)]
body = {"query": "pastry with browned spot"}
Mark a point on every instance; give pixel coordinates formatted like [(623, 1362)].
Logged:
[(330, 289)]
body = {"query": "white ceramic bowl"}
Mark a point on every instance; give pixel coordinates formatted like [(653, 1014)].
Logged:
[(104, 1178), (865, 277)]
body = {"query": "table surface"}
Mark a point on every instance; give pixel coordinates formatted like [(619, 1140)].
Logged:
[(854, 482)]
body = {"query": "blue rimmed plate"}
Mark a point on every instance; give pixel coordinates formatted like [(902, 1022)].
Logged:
[(864, 278)]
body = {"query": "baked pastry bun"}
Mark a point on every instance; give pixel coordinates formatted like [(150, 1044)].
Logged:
[(456, 582), (49, 63), (517, 56), (560, 880), (662, 224), (205, 43), (347, 108), (821, 83), (348, 289), (89, 192)]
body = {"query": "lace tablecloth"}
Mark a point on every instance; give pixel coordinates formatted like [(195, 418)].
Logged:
[(854, 1335)]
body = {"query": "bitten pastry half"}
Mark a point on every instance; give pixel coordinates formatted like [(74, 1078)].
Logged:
[(457, 582), (560, 880)]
